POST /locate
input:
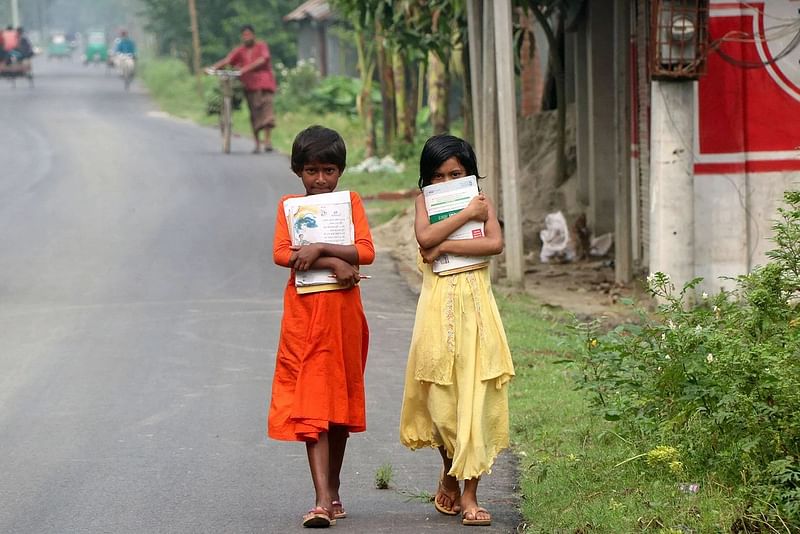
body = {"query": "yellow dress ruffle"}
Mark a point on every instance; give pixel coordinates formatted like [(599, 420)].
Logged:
[(459, 365)]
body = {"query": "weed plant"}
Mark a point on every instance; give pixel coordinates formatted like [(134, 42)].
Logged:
[(711, 389)]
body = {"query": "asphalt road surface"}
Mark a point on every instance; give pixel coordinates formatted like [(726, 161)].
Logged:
[(139, 315)]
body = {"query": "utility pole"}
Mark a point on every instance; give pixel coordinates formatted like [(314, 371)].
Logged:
[(623, 243), (509, 148), (195, 45), (672, 180), (15, 13), (488, 138)]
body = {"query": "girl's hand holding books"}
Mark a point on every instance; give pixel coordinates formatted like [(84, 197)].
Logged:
[(304, 256), (429, 255), (346, 274), (478, 208)]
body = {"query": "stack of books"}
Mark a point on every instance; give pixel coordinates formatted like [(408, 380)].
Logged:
[(325, 218), (444, 200)]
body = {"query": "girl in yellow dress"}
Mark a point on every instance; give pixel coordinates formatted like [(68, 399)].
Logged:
[(459, 364)]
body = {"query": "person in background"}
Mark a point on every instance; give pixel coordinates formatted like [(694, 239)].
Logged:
[(10, 39), (3, 54), (24, 49), (254, 62), (125, 45)]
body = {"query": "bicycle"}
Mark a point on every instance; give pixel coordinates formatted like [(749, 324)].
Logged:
[(127, 67), (226, 78)]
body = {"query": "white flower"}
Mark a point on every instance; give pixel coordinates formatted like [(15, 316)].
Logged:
[(671, 324), (710, 358), (698, 328), (705, 295), (663, 337), (667, 357)]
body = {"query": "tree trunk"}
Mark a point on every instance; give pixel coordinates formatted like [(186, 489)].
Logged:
[(366, 68), (400, 92), (531, 71), (466, 102), (437, 93), (554, 39), (410, 124), (387, 90)]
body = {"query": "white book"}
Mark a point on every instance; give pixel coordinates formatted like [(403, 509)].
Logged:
[(444, 200), (324, 218)]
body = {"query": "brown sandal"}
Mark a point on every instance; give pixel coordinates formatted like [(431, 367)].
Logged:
[(455, 508), (318, 517), (341, 514), (475, 522)]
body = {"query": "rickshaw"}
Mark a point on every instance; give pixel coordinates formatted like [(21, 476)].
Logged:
[(58, 47), (16, 67), (96, 48)]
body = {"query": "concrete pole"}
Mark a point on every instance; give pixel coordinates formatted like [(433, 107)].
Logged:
[(672, 180), (623, 242), (489, 148), (509, 147), (475, 71), (15, 13)]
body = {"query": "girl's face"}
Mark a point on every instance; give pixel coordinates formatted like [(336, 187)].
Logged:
[(319, 177), (449, 170)]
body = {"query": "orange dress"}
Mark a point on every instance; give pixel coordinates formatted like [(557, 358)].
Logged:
[(322, 352)]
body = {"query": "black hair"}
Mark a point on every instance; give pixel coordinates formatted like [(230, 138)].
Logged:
[(246, 27), (317, 144), (439, 149)]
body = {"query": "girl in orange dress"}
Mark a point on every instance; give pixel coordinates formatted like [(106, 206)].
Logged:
[(318, 388)]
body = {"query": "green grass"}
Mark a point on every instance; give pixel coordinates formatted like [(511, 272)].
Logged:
[(570, 479), (381, 211)]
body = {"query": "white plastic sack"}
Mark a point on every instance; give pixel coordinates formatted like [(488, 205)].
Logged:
[(556, 244)]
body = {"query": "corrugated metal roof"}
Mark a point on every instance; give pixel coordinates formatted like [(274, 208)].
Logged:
[(313, 9)]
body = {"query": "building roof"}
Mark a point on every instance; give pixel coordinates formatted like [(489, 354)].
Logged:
[(312, 9)]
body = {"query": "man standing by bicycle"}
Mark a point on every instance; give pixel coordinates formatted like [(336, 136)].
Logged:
[(253, 60)]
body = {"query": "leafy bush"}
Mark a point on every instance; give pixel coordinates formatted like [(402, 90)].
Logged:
[(718, 381), (336, 94), (295, 84)]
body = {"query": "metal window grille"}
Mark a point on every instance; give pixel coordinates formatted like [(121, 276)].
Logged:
[(678, 38)]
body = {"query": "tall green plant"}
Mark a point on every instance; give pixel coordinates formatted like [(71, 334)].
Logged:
[(720, 382)]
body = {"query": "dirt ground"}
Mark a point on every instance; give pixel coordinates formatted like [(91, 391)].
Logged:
[(585, 288)]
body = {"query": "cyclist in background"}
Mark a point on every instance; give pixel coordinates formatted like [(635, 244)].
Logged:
[(125, 45)]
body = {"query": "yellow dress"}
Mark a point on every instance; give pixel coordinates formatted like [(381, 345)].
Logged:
[(459, 365)]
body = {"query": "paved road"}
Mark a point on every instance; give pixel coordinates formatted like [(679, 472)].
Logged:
[(139, 313)]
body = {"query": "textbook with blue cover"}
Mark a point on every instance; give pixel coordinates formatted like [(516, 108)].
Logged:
[(444, 200), (324, 218)]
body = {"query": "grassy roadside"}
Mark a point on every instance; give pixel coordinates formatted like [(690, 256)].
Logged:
[(570, 478), (175, 91)]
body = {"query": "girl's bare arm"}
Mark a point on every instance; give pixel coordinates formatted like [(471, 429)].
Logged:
[(430, 235), (307, 257)]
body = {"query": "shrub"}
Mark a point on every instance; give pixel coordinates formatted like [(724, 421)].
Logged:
[(295, 84), (718, 381)]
